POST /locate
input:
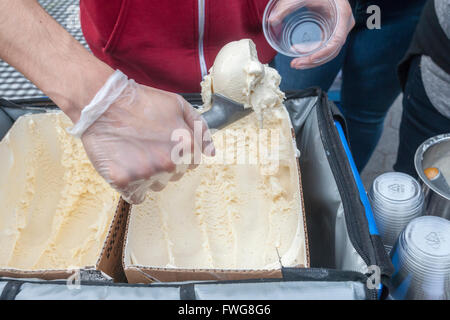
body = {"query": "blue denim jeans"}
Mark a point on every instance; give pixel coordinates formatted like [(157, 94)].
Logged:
[(420, 120), (369, 62)]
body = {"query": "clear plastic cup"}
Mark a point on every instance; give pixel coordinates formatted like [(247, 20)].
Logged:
[(298, 28), (421, 258), (396, 199)]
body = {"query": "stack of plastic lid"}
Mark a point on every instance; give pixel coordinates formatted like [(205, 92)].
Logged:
[(421, 258), (396, 199)]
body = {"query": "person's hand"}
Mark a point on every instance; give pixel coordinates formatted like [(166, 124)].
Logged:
[(345, 23), (131, 143), (126, 128)]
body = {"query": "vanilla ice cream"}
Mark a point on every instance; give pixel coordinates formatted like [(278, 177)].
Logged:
[(241, 209), (56, 209), (238, 75)]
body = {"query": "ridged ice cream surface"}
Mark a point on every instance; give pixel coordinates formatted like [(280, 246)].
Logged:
[(241, 209), (56, 210)]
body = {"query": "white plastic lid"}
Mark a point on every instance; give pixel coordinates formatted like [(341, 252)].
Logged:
[(429, 236), (397, 187)]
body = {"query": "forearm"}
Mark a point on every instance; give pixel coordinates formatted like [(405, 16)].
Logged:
[(36, 45)]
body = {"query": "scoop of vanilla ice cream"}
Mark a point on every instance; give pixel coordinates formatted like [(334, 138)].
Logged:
[(239, 75)]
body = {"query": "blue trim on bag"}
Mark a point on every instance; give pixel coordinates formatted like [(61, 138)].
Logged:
[(334, 96), (362, 192)]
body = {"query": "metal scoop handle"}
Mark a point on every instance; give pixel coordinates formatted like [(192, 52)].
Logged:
[(224, 112), (436, 177)]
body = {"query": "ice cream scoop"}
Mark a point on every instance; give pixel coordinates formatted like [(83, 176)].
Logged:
[(224, 111)]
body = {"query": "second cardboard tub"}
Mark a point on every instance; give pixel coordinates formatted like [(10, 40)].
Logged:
[(137, 273)]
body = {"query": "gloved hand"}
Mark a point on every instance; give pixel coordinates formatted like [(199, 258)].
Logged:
[(345, 24), (127, 132)]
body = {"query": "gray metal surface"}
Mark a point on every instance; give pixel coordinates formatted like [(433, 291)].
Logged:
[(13, 85), (224, 112), (437, 200)]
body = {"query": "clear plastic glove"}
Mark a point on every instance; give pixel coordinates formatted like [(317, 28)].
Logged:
[(127, 131), (345, 24)]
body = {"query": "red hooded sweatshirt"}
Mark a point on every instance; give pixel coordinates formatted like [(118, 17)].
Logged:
[(170, 44)]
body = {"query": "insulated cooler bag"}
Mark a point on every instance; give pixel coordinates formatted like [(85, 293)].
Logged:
[(347, 257)]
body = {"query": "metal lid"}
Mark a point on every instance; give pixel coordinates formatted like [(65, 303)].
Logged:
[(430, 149)]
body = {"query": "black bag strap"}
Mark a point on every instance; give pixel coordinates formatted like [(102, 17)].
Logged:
[(368, 246), (11, 290)]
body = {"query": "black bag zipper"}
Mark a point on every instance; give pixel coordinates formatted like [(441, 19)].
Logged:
[(333, 145)]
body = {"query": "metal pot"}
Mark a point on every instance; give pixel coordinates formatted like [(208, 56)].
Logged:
[(437, 202)]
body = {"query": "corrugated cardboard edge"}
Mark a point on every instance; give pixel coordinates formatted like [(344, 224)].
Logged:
[(305, 228), (143, 274), (108, 262)]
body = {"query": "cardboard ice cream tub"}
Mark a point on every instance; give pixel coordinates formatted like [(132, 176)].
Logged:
[(58, 218), (107, 266), (178, 234)]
